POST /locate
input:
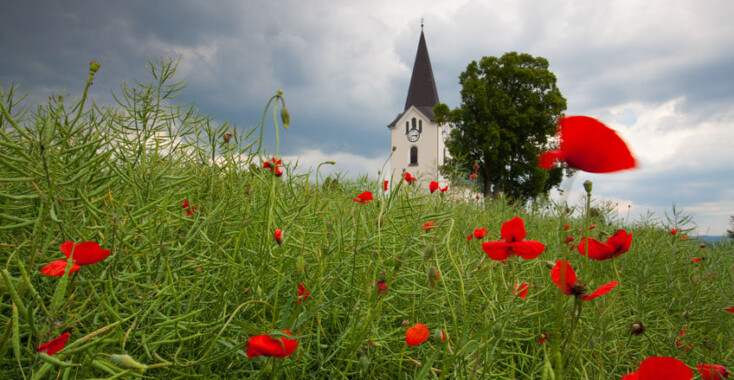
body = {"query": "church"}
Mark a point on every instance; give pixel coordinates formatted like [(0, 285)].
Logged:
[(418, 141)]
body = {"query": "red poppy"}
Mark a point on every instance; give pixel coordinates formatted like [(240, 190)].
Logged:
[(589, 145), (54, 345), (444, 189), (695, 260), (480, 233), (384, 185), (185, 203), (660, 368), (278, 235), (564, 277), (730, 309), (616, 245), (57, 268), (521, 290), (274, 166), (473, 176), (381, 287), (713, 372), (566, 227), (85, 253), (677, 340), (278, 172), (433, 186), (591, 227), (513, 233), (365, 197), (468, 238), (476, 167), (417, 334), (409, 178), (543, 338), (264, 345), (476, 196), (303, 293), (569, 239), (684, 237), (428, 226), (673, 231)]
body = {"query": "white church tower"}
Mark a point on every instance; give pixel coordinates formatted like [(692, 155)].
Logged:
[(418, 141)]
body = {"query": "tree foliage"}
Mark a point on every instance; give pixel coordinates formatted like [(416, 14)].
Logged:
[(509, 109), (730, 233)]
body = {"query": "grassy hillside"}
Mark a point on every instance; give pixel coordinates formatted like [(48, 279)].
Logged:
[(185, 287)]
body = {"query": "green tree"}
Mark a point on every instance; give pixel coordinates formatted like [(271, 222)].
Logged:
[(730, 233), (509, 109)]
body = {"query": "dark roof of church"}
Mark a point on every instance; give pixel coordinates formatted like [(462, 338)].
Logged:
[(422, 91)]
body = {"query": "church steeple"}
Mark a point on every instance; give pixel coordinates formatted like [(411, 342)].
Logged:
[(422, 91)]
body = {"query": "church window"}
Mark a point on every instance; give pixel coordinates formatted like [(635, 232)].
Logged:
[(413, 123), (413, 155), (407, 127), (420, 126)]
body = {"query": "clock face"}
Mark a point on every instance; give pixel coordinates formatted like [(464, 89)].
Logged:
[(413, 135)]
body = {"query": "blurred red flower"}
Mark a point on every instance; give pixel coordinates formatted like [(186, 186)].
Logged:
[(264, 345), (513, 233), (473, 176), (381, 287), (444, 189), (384, 185), (433, 186), (695, 260), (564, 277), (588, 145), (303, 293), (409, 178), (480, 233), (274, 166), (428, 226), (54, 345), (616, 245), (673, 231), (417, 334), (660, 368), (365, 197), (677, 340), (713, 372), (729, 310), (189, 207), (278, 236), (521, 290), (591, 227), (566, 227)]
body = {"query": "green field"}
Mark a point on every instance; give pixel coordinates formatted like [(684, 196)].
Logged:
[(181, 294)]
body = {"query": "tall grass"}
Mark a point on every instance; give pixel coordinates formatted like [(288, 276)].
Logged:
[(182, 294)]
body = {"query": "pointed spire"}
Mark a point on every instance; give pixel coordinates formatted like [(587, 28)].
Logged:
[(422, 91)]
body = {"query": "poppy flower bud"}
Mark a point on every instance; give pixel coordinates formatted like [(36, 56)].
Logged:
[(227, 136), (285, 117), (301, 265), (550, 264), (476, 167), (93, 66), (428, 252), (439, 337), (47, 133), (394, 148), (280, 92), (127, 362), (587, 186), (637, 328)]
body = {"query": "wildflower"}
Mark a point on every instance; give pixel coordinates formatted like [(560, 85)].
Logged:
[(673, 231), (543, 338), (695, 260), (365, 197), (227, 136), (513, 233), (381, 287), (569, 239), (480, 233), (564, 277), (713, 372), (566, 227), (84, 253), (473, 176), (264, 345), (589, 145), (444, 189), (384, 185), (54, 345), (637, 328), (677, 340), (303, 293), (433, 186), (521, 290), (730, 309), (476, 167), (660, 368), (409, 178), (189, 207), (591, 227), (684, 237), (417, 334), (274, 166), (278, 236), (428, 226), (477, 196), (616, 245)]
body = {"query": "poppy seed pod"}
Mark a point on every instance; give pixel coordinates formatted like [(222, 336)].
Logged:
[(127, 362), (588, 185), (93, 66), (301, 265), (637, 328), (285, 117)]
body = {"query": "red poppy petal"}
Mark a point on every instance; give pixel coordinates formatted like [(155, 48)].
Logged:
[(597, 250), (88, 253), (433, 186), (713, 372), (264, 345), (480, 232), (513, 230), (54, 345), (57, 268), (417, 334), (496, 250), (563, 269), (527, 249), (593, 147), (66, 248), (664, 368), (521, 290), (546, 160), (620, 242), (602, 290), (631, 376)]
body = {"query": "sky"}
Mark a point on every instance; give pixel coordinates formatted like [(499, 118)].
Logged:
[(661, 73)]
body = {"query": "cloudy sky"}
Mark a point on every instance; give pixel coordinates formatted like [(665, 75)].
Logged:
[(660, 72)]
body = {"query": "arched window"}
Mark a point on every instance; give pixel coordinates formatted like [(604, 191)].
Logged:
[(412, 121), (407, 127), (413, 155), (420, 126)]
